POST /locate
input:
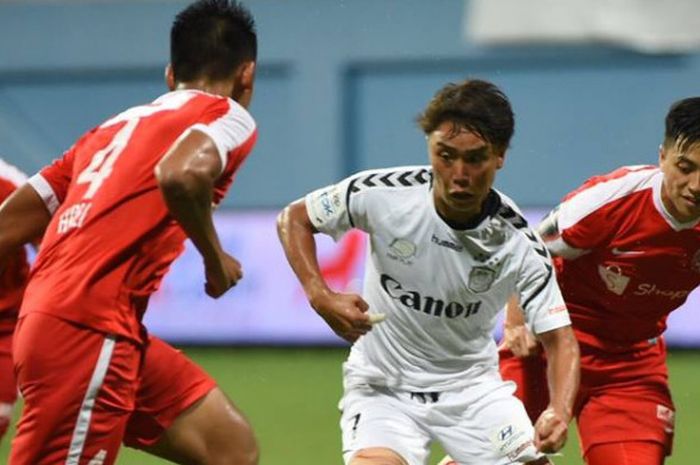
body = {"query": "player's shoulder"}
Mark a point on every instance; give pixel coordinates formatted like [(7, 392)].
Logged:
[(618, 183), (509, 211), (511, 215), (190, 104), (12, 174), (389, 180), (604, 193)]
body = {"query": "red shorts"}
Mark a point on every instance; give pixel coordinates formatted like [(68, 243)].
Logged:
[(623, 397), (8, 385), (79, 387), (170, 384), (142, 392)]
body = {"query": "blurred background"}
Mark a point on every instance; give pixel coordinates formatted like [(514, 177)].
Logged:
[(339, 85)]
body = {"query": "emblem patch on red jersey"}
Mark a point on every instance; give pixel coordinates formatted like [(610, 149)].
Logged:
[(613, 278)]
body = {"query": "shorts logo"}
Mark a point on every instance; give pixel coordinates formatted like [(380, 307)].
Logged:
[(695, 263), (666, 415), (481, 278), (402, 250), (613, 278), (99, 458), (511, 441), (505, 433)]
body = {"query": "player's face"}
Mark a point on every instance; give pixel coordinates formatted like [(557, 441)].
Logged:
[(681, 188), (464, 167)]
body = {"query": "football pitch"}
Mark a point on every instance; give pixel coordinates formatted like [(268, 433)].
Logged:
[(290, 396)]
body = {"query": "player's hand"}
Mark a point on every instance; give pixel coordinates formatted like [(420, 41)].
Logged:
[(222, 274), (551, 430), (520, 340), (346, 314)]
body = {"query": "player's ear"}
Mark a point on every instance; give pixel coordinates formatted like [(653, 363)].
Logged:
[(662, 153), (243, 83), (500, 159), (170, 77), (247, 75)]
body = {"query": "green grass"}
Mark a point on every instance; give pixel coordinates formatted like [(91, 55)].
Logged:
[(290, 396)]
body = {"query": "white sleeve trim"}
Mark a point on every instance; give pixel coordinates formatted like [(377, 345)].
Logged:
[(45, 191), (223, 154), (230, 131), (12, 173)]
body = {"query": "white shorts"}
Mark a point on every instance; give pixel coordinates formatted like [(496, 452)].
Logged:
[(474, 426)]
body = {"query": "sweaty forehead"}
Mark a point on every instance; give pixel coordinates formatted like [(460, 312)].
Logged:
[(449, 133)]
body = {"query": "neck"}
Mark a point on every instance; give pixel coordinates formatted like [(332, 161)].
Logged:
[(222, 88)]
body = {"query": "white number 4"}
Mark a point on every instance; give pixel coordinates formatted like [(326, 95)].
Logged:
[(100, 166)]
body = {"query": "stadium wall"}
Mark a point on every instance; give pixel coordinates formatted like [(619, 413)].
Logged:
[(340, 83)]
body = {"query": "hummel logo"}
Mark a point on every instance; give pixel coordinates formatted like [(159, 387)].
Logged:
[(617, 251)]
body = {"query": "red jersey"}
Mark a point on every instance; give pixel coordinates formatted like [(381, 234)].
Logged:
[(14, 275), (111, 238), (624, 263)]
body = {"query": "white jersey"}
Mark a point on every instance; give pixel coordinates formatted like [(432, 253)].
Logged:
[(440, 288)]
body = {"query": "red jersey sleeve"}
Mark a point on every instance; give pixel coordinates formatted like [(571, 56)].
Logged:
[(588, 216), (234, 132), (52, 181)]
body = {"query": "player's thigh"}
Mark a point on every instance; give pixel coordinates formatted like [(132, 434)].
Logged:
[(212, 431), (181, 415), (8, 386), (530, 376), (378, 424), (78, 387), (642, 413), (626, 453), (169, 384), (493, 429)]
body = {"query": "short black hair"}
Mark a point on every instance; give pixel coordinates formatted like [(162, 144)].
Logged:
[(473, 104), (683, 124), (210, 39)]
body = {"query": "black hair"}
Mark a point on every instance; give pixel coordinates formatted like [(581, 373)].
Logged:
[(210, 39), (683, 124), (476, 105)]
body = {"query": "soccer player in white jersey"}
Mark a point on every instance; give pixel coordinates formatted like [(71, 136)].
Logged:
[(446, 251)]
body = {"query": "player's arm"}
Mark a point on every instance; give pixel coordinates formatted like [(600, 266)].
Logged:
[(186, 176), (23, 219), (344, 313), (516, 335), (563, 375)]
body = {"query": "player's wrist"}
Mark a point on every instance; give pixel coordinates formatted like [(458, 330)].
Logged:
[(560, 412), (317, 294)]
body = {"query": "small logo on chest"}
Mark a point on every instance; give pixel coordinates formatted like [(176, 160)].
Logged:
[(481, 278), (402, 250)]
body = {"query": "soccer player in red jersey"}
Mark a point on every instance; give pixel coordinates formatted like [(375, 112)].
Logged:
[(628, 253), (116, 209), (13, 279)]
